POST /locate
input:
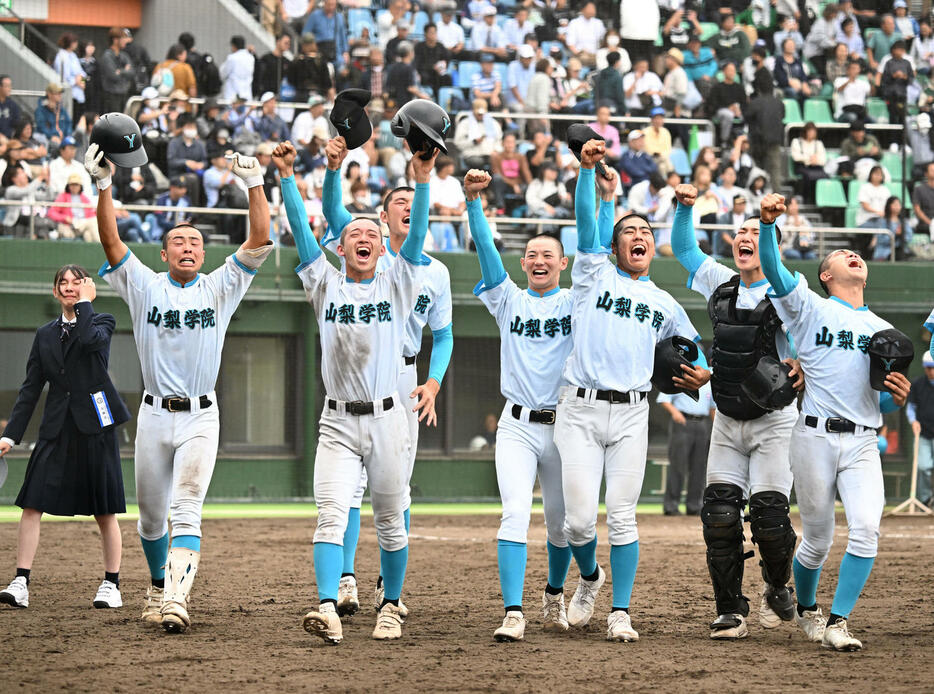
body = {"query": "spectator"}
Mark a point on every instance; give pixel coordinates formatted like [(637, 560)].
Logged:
[(511, 172), (360, 202), (723, 238), (18, 218), (486, 84), (796, 245), (675, 84), (727, 101), (920, 141), (573, 91), (208, 120), (267, 123), (269, 71), (116, 71), (584, 34), (688, 446), (739, 159), (237, 71), (895, 222), (432, 61), (610, 134), (873, 195), (759, 187), (68, 66), (154, 118), (920, 413), (658, 140), (860, 149), (26, 147), (642, 89), (139, 58), (129, 224), (157, 223), (182, 76), (64, 166), (700, 64), (634, 162), (611, 43), (850, 93), (348, 75), (905, 24), (402, 34), (305, 123), (541, 96), (477, 136), (517, 28), (923, 200), (759, 58), (136, 185), (10, 112), (708, 157), (731, 43), (810, 158), (821, 39), (893, 79), (836, 67), (92, 85), (217, 176), (639, 22), (543, 150), (789, 30), (450, 33), (849, 35), (546, 196), (52, 120), (194, 59), (486, 38), (880, 44), (922, 49), (519, 75), (727, 190), (187, 154), (790, 74), (329, 29), (401, 85), (845, 13), (293, 12), (446, 197), (375, 75), (388, 21), (679, 27), (608, 85), (75, 222), (765, 111), (644, 197)]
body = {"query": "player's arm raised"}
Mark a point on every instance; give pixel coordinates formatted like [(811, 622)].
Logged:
[(283, 156), (683, 238), (335, 214), (418, 224), (491, 264), (584, 200), (606, 182), (782, 281), (100, 172), (248, 169)]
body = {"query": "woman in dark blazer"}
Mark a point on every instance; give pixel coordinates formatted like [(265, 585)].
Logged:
[(74, 470)]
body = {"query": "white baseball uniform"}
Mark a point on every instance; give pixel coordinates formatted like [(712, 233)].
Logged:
[(179, 332)]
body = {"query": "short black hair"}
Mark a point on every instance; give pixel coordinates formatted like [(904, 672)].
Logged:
[(430, 25), (820, 271), (180, 225), (187, 40), (546, 236), (612, 58), (237, 42), (618, 227), (778, 231), (76, 270), (399, 189), (5, 77)]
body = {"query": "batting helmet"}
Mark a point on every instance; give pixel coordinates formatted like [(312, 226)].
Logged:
[(119, 139), (349, 117), (424, 125), (768, 385), (670, 354), (889, 350)]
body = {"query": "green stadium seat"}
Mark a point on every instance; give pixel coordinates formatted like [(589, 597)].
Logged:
[(708, 29), (830, 193), (896, 188), (818, 111), (850, 217), (876, 109), (792, 111), (892, 161), (852, 192), (826, 91)]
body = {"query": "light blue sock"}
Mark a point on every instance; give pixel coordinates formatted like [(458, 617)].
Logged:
[(328, 560), (586, 557), (854, 572), (559, 561), (393, 565), (192, 542), (351, 537), (511, 557), (805, 583), (623, 562), (157, 552), (407, 519)]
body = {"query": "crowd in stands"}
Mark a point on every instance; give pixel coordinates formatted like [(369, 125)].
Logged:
[(505, 69)]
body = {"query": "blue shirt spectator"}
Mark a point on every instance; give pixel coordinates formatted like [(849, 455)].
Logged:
[(52, 120), (267, 124), (699, 61), (635, 162), (157, 223), (330, 31), (186, 153), (519, 74), (10, 112)]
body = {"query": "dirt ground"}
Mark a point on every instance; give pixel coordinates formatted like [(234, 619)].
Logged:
[(256, 582)]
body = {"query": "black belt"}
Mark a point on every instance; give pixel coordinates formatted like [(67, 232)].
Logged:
[(695, 417), (178, 404), (536, 416), (835, 425), (359, 407), (613, 396), (410, 360)]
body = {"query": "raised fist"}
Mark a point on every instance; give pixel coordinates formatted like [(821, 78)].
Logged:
[(283, 156), (475, 181), (686, 194), (772, 207), (336, 151), (592, 152), (246, 168)]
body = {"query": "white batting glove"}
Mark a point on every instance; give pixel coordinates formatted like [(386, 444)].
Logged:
[(246, 168), (100, 173)]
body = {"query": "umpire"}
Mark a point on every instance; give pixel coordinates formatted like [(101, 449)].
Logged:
[(688, 444), (74, 469)]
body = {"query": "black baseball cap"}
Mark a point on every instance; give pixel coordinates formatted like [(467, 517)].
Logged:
[(350, 118)]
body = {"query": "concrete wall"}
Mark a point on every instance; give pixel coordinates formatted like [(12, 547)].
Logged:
[(26, 68)]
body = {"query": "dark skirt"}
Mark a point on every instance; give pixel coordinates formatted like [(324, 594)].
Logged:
[(75, 474)]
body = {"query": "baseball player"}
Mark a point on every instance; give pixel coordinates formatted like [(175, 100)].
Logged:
[(180, 318), (535, 339), (929, 324), (362, 324), (748, 457), (833, 443), (432, 308), (617, 318)]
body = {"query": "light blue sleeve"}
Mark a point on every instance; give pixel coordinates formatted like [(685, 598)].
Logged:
[(701, 360), (491, 264), (684, 240), (586, 213), (605, 222), (441, 348), (418, 225), (305, 241), (332, 203), (770, 256), (911, 412), (887, 403)]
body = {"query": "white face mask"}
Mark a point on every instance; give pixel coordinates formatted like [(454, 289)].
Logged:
[(190, 133), (152, 103), (612, 41), (362, 200)]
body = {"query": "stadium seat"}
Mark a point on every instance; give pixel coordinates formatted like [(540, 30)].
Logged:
[(444, 98), (830, 193), (852, 192), (792, 111), (896, 189), (850, 217), (680, 162), (502, 69), (877, 111), (708, 29), (359, 17), (421, 19), (817, 111), (466, 69), (892, 161)]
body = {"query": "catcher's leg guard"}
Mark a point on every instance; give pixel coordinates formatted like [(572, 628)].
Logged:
[(723, 532), (179, 576), (772, 532)]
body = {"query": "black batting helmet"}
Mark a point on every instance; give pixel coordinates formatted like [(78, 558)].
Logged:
[(119, 139), (670, 354), (769, 386), (889, 350), (423, 124)]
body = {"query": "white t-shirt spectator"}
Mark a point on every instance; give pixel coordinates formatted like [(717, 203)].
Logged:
[(451, 34), (585, 34), (304, 126), (649, 82), (445, 191), (875, 197), (852, 95), (237, 74)]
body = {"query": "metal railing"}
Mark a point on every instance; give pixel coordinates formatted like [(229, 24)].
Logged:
[(23, 24)]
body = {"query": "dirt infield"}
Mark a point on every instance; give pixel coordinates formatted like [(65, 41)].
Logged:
[(256, 582)]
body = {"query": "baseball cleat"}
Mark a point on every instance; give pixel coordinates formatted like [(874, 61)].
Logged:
[(781, 600), (580, 609), (619, 627), (152, 608), (16, 594), (347, 601), (513, 628), (378, 596), (813, 623), (553, 612), (175, 619), (108, 595), (837, 637), (324, 623), (729, 627), (388, 623)]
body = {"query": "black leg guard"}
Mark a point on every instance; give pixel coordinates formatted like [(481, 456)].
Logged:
[(772, 532), (723, 532)]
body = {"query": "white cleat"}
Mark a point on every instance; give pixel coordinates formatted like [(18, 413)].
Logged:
[(388, 623), (16, 594), (325, 624), (152, 608), (175, 618), (813, 623), (580, 609), (619, 627), (729, 627), (554, 614), (108, 595), (347, 600), (768, 618), (837, 637), (513, 628), (378, 602)]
